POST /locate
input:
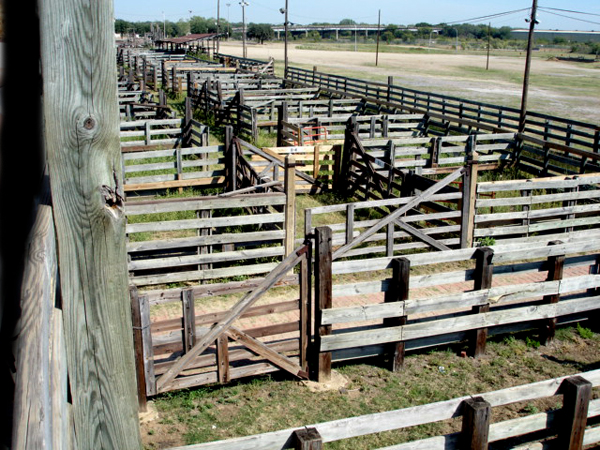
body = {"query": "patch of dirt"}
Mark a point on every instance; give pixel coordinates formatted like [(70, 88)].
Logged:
[(338, 383)]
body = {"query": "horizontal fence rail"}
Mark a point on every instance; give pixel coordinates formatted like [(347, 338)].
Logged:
[(574, 389)]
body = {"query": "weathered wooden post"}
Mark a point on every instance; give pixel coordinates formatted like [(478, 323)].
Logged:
[(82, 141), (484, 271), (556, 265), (577, 393), (467, 227), (397, 292), (290, 203), (307, 439), (475, 424), (323, 300)]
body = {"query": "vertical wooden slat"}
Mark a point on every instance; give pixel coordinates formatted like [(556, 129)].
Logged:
[(577, 393), (290, 205), (350, 222), (138, 343), (323, 300), (397, 292), (305, 307), (476, 424), (468, 198), (484, 270), (189, 315), (81, 116), (223, 373)]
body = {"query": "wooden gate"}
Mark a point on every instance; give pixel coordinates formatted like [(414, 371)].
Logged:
[(213, 347)]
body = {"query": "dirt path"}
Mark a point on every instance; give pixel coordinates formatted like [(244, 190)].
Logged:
[(569, 90)]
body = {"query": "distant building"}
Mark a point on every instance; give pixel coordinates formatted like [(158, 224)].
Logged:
[(550, 35)]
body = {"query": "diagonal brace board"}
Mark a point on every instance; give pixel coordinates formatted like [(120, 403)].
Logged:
[(224, 324), (420, 235), (424, 196), (261, 349)]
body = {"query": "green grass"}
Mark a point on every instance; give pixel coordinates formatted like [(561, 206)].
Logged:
[(270, 403)]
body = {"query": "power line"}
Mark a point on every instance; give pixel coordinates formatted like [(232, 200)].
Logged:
[(571, 11), (491, 16), (569, 17)]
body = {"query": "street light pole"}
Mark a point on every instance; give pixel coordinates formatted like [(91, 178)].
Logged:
[(285, 38), (218, 24), (244, 3), (532, 21)]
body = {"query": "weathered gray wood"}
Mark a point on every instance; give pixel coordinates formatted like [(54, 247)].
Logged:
[(81, 138), (37, 419), (424, 196), (279, 360)]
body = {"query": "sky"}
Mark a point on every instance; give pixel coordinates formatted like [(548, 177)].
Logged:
[(581, 15)]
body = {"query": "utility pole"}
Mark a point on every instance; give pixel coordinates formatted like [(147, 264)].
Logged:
[(244, 3), (378, 34), (487, 64), (532, 21), (218, 24)]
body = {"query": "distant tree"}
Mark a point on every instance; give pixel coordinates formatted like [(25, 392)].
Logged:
[(387, 36), (182, 27), (260, 31), (347, 22)]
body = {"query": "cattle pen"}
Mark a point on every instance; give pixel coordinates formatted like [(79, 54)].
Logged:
[(169, 249)]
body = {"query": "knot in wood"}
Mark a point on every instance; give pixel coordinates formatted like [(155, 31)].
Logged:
[(89, 123)]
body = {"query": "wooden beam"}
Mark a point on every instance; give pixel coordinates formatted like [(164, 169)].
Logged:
[(476, 424), (323, 300), (398, 292), (278, 359), (484, 270), (82, 142), (577, 393), (307, 439)]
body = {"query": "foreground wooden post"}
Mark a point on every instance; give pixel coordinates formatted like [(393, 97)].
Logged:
[(398, 292), (307, 439), (81, 119), (323, 300), (305, 287), (555, 273), (484, 270), (573, 418), (475, 424)]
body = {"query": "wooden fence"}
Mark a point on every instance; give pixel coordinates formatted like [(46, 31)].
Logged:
[(494, 295), (246, 64), (551, 129), (193, 349), (564, 427), (162, 133), (204, 238), (300, 130), (313, 166), (533, 208)]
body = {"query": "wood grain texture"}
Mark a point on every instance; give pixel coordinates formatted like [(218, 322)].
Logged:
[(82, 140)]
